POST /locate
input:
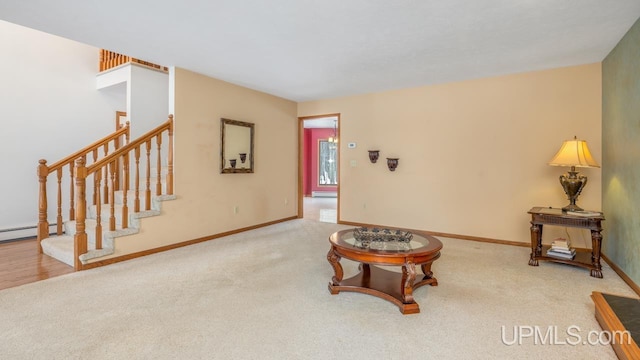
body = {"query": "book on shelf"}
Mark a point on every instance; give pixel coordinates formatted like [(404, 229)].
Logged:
[(562, 250), (561, 255), (584, 213), (561, 243)]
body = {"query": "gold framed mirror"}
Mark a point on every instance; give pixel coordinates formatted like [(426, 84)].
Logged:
[(236, 146)]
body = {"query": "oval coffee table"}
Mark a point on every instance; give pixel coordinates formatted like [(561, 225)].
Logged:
[(422, 250)]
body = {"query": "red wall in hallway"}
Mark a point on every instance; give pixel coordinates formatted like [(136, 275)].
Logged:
[(310, 156), (306, 158)]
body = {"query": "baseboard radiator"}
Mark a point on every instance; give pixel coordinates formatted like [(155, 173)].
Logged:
[(327, 194), (24, 232)]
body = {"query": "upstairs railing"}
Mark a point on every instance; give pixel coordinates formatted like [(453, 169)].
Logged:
[(110, 59), (99, 180), (91, 153)]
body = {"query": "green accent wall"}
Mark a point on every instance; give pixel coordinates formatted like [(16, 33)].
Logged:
[(621, 153)]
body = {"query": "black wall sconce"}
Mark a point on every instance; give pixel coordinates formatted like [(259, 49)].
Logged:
[(232, 162), (243, 157), (373, 155), (392, 163)]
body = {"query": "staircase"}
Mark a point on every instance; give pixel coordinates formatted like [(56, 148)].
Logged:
[(108, 198)]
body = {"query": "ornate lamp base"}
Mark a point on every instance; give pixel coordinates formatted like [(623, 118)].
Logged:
[(573, 185), (572, 207)]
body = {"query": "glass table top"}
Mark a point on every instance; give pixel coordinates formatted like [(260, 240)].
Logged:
[(382, 240)]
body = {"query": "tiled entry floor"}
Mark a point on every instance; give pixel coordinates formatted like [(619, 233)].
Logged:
[(320, 209)]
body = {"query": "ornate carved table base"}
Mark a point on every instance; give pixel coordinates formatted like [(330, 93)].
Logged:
[(396, 287), (391, 286)]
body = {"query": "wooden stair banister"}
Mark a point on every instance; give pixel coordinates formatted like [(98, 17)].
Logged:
[(115, 136), (109, 164), (45, 170), (167, 126)]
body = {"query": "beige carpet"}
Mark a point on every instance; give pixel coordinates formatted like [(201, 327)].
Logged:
[(263, 294)]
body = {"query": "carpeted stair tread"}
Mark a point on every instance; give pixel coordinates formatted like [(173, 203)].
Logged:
[(59, 247)]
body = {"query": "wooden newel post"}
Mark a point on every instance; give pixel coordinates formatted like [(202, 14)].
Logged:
[(43, 224), (80, 238)]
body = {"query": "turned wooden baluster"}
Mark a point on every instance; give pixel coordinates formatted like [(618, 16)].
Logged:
[(106, 178), (43, 224), (159, 165), (136, 202), (72, 190), (59, 217), (107, 64), (118, 167), (169, 179), (126, 139), (147, 198), (112, 210), (125, 190), (80, 238), (98, 178), (96, 187)]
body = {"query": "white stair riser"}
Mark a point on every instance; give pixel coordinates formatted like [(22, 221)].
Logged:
[(131, 198), (153, 181), (105, 214), (90, 230)]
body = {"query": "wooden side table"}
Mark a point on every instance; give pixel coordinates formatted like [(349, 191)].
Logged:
[(550, 216)]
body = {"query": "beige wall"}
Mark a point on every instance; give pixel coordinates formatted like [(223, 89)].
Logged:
[(206, 198), (473, 155)]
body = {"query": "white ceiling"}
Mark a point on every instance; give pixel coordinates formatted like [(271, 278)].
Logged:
[(309, 49)]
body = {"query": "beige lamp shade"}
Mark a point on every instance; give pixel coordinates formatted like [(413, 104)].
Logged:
[(574, 153)]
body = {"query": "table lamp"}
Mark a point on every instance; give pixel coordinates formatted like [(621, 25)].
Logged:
[(574, 153)]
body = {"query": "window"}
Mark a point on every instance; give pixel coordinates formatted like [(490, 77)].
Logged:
[(327, 164)]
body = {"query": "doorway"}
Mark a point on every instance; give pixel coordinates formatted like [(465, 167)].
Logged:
[(318, 168)]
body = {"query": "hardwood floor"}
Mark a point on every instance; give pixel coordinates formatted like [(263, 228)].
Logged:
[(20, 263)]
